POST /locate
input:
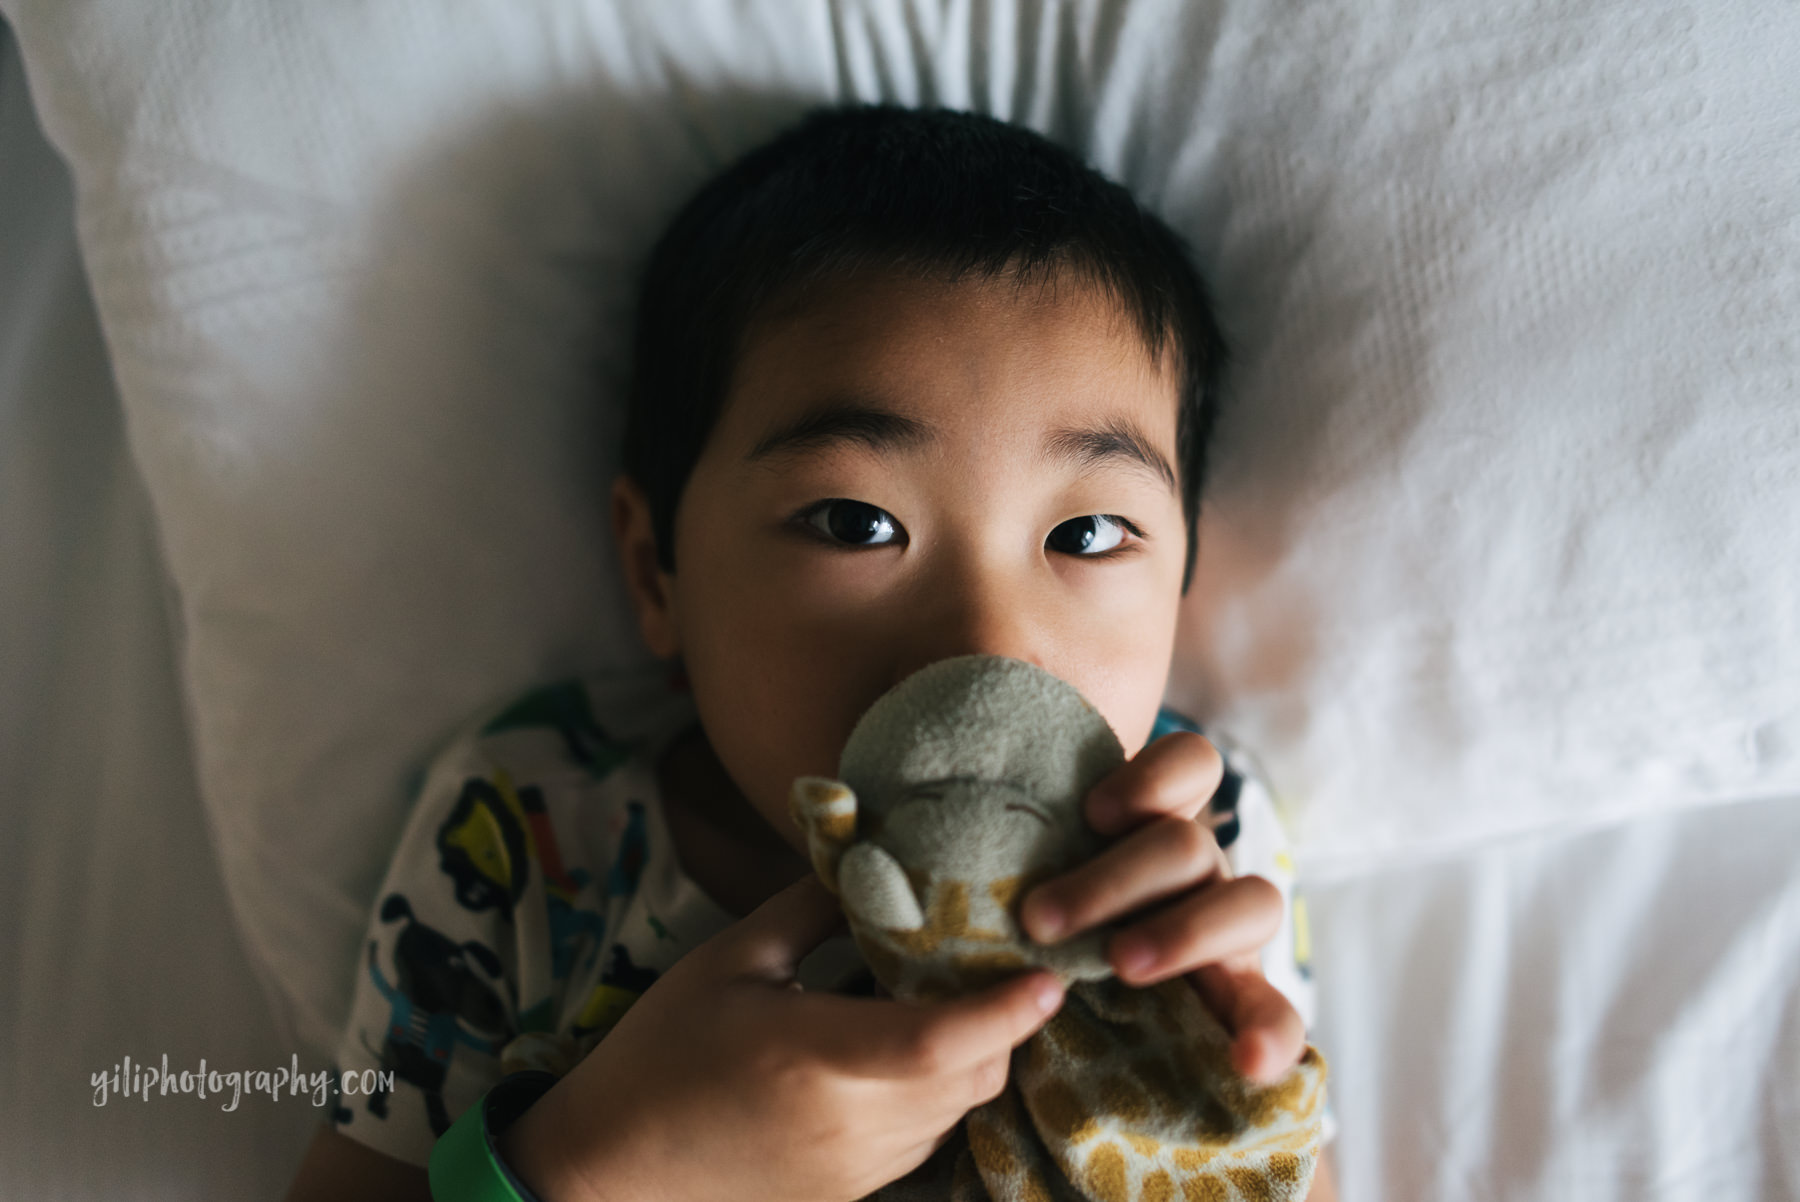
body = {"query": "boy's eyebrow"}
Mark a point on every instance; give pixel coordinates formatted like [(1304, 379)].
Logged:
[(881, 429), (845, 421), (1116, 439)]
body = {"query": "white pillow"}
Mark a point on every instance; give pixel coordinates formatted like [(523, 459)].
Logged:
[(1503, 532)]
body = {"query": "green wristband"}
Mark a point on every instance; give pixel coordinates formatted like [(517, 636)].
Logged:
[(466, 1164)]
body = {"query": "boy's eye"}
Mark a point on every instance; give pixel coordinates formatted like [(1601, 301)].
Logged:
[(1095, 534), (854, 522)]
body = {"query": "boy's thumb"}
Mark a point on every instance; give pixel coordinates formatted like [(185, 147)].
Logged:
[(773, 938)]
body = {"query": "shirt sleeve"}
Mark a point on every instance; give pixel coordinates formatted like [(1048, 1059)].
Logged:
[(436, 990)]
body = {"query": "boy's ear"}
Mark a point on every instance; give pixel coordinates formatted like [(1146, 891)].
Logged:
[(651, 588)]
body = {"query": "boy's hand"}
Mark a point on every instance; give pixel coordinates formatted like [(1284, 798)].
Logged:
[(725, 1080), (1191, 916)]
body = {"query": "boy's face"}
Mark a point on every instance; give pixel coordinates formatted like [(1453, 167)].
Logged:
[(903, 471)]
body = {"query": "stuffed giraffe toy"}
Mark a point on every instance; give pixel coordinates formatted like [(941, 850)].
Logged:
[(961, 788)]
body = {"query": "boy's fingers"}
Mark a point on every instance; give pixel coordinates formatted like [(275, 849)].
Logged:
[(778, 934), (988, 1078), (1176, 775), (1162, 858), (1268, 1037), (1227, 919), (956, 1036)]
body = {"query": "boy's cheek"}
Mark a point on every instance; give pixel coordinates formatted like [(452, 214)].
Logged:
[(773, 709)]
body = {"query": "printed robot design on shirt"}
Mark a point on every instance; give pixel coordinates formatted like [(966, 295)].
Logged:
[(623, 981), (498, 831), (436, 990), (488, 846)]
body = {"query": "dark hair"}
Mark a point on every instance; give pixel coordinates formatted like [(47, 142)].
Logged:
[(939, 192)]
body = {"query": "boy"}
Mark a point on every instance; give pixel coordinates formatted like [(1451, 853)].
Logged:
[(908, 385)]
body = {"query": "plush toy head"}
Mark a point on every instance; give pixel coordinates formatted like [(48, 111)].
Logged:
[(961, 788)]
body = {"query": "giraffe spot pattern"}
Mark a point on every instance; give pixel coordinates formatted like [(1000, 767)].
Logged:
[(1146, 1147), (1123, 1098), (1006, 891), (950, 908), (1192, 1160), (1161, 1084), (1078, 1039), (989, 1148), (1106, 1174), (1204, 1189), (1252, 1185), (1157, 1186), (1276, 1101), (979, 968)]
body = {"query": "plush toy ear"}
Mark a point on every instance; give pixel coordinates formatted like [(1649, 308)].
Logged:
[(875, 889), (825, 811)]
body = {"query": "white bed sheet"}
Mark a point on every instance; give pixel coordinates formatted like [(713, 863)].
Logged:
[(115, 935), (1606, 1017)]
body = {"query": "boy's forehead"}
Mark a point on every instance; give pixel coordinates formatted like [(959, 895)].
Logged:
[(1056, 352)]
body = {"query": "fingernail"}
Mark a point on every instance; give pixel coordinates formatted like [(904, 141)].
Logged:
[(1048, 994), (1133, 955)]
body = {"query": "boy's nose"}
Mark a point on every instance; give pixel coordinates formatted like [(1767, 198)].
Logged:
[(973, 620)]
